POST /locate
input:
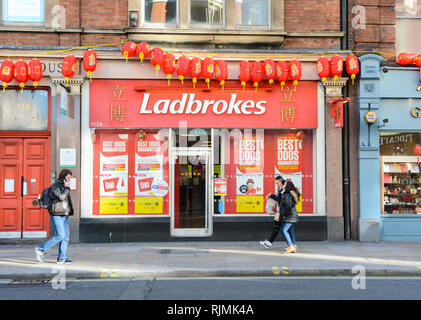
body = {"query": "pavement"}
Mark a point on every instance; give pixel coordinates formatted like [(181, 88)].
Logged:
[(214, 259)]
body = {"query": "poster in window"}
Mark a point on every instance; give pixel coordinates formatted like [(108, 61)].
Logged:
[(150, 177), (249, 174), (289, 161), (114, 174)]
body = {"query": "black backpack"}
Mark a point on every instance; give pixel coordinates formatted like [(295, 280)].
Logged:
[(45, 199)]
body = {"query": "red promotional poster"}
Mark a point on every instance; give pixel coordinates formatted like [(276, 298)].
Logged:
[(289, 149), (250, 154), (145, 184)]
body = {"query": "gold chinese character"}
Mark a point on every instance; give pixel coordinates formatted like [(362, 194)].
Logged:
[(117, 93), (118, 112), (288, 95), (288, 114)]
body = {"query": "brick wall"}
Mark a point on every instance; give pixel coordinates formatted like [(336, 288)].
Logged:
[(312, 15), (100, 14), (379, 33)]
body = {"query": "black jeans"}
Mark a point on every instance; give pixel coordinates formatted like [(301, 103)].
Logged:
[(275, 231)]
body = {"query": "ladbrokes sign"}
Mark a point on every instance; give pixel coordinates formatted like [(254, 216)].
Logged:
[(153, 104)]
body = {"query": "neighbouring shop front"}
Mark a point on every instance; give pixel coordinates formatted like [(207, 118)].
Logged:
[(166, 162), (390, 150)]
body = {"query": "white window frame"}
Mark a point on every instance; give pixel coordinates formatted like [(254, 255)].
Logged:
[(36, 20), (254, 27), (221, 26), (145, 24)]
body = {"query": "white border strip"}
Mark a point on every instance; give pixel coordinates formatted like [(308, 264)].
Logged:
[(10, 235), (319, 156)]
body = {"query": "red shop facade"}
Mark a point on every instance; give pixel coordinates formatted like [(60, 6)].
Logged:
[(164, 162)]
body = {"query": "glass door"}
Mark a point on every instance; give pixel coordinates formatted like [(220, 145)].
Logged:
[(191, 189)]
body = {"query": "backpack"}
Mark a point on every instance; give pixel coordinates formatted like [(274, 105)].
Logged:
[(45, 199)]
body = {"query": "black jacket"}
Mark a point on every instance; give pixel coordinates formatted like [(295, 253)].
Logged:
[(60, 193), (287, 202)]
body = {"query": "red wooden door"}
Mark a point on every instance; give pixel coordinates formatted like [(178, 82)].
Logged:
[(24, 173), (36, 178), (11, 155)]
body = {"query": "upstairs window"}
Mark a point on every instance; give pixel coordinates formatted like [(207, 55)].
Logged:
[(29, 11), (161, 12), (208, 13), (408, 24), (252, 13)]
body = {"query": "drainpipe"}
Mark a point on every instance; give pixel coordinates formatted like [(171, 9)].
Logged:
[(345, 132)]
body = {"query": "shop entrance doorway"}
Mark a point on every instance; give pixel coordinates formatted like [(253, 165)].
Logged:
[(24, 173), (191, 176)]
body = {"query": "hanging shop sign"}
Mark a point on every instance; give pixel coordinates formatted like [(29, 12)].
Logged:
[(151, 103)]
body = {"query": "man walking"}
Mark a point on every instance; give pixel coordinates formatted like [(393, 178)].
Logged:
[(60, 209)]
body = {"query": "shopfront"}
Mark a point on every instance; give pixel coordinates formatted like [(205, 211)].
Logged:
[(161, 162), (390, 150)]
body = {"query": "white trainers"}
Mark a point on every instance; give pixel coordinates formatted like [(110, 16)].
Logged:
[(39, 254), (266, 244)]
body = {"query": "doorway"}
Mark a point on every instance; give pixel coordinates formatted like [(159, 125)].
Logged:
[(24, 173), (191, 176)]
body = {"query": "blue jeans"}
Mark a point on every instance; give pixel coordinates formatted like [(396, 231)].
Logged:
[(61, 227), (288, 233)]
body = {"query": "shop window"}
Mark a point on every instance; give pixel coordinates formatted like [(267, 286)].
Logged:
[(208, 13), (161, 12), (408, 22), (252, 13), (29, 11), (400, 172), (130, 172), (251, 159)]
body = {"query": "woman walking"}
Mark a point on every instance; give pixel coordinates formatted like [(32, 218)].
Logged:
[(287, 209)]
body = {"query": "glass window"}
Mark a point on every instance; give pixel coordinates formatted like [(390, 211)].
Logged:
[(247, 162), (252, 12), (401, 167), (408, 23), (408, 8), (23, 10), (161, 11), (24, 111), (207, 12)]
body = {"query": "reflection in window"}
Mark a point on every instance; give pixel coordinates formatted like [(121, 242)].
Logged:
[(252, 12), (209, 12), (161, 11), (408, 8), (23, 10)]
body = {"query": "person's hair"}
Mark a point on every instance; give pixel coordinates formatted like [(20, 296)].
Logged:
[(280, 178), (63, 174), (291, 187)]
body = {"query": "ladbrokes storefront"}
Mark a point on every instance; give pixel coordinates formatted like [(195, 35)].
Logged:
[(160, 161)]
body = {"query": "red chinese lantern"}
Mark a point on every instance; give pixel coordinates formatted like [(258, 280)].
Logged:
[(183, 67), (405, 58), (7, 72), (143, 50), (157, 58), (21, 73), (336, 66), (208, 69), (295, 71), (169, 65), (195, 69), (35, 71), (282, 72), (129, 49), (352, 66), (269, 70), (323, 68), (68, 68), (221, 72), (417, 152), (89, 62), (256, 73), (244, 73)]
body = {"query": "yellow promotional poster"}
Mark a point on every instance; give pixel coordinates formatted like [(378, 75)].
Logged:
[(250, 204), (113, 205), (148, 205)]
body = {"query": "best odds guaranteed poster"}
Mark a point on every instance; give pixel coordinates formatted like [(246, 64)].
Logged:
[(150, 182), (114, 162), (289, 161), (249, 173)]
